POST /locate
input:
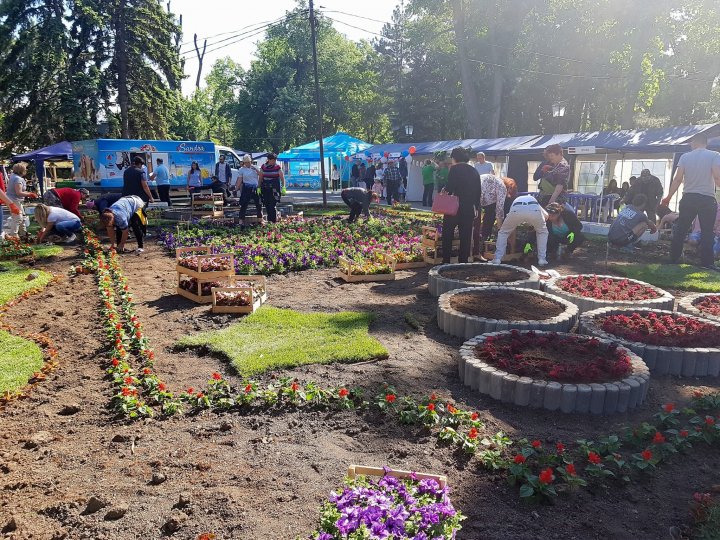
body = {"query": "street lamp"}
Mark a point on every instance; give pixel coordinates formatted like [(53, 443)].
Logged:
[(558, 110), (409, 130)]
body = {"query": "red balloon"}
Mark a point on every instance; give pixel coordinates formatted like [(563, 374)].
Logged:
[(412, 150), (386, 154), (347, 158)]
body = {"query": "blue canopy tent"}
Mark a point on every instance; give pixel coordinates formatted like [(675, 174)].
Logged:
[(57, 152), (303, 162)]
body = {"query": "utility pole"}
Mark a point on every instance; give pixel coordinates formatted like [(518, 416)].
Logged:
[(313, 37)]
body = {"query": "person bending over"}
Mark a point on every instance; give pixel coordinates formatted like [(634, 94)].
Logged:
[(630, 224), (524, 209), (358, 200), (63, 222), (118, 218), (564, 228)]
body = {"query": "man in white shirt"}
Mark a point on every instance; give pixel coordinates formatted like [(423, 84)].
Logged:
[(699, 169), (482, 166)]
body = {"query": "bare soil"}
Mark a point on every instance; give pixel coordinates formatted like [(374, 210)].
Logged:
[(484, 274), (511, 305), (264, 476)]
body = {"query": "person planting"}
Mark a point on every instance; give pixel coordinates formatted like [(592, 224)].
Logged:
[(118, 218), (564, 228), (630, 224), (63, 222), (358, 200)]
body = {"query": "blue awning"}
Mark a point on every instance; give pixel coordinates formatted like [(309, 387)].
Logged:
[(492, 147), (59, 151), (333, 146)]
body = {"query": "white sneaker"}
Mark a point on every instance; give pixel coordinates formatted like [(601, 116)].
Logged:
[(70, 239), (138, 251), (542, 262), (496, 261)]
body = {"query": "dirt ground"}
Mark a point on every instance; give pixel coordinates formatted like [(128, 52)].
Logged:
[(244, 476)]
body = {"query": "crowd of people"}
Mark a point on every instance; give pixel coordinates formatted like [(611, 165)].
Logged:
[(386, 178)]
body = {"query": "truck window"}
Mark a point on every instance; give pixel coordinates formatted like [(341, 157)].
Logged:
[(230, 159)]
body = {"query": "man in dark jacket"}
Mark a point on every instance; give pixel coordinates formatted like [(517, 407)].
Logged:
[(358, 200), (354, 175), (369, 176), (650, 186), (564, 228), (223, 173), (135, 183), (403, 171), (463, 182)]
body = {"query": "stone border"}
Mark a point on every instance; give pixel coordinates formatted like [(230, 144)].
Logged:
[(688, 362), (595, 398), (664, 301), (687, 305), (439, 285), (457, 323)]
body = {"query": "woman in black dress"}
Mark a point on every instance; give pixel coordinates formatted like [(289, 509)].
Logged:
[(463, 182)]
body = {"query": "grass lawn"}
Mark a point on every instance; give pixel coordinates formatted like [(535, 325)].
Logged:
[(672, 276), (19, 359), (273, 338), (13, 280), (44, 252)]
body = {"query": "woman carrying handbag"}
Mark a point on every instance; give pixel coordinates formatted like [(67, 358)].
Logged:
[(463, 185)]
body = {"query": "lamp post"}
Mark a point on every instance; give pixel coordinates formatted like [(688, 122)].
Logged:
[(409, 130), (558, 110)]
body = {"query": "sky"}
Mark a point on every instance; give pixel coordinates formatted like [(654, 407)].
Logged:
[(211, 18)]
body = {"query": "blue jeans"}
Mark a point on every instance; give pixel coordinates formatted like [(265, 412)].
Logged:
[(68, 227)]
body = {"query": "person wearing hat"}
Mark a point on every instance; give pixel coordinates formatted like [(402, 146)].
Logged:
[(67, 198), (392, 180), (247, 187)]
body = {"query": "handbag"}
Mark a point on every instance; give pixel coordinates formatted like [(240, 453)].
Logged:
[(446, 204)]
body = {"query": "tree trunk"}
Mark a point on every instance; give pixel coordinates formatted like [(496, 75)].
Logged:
[(121, 59), (470, 99), (496, 96)]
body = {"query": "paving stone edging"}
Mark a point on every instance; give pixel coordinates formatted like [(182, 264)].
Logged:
[(688, 362), (457, 323), (439, 285), (664, 301), (687, 305), (595, 398)]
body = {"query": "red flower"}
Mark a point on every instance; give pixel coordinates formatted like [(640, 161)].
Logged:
[(294, 387), (451, 409), (519, 459), (684, 433), (217, 376), (162, 387), (473, 433), (248, 388), (200, 395), (147, 371), (536, 444), (594, 458), (669, 407), (343, 392), (115, 362), (191, 390), (390, 398), (658, 438), (433, 397), (128, 380), (126, 391), (431, 407), (570, 469), (646, 454), (560, 448), (118, 326), (709, 421), (546, 476), (697, 394), (474, 416), (139, 335), (151, 355)]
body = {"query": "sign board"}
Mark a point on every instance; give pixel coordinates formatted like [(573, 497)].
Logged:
[(576, 150)]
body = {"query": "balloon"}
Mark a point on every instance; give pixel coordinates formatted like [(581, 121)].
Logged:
[(386, 154), (368, 153), (383, 160), (347, 158), (412, 150), (404, 153)]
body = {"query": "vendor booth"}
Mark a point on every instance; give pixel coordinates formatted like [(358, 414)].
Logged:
[(302, 164), (56, 153)]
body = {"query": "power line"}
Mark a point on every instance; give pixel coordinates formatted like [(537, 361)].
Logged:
[(361, 29), (357, 16), (189, 42)]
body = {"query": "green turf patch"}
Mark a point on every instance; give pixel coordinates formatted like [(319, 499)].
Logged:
[(13, 280), (19, 359), (45, 252), (672, 276), (273, 338)]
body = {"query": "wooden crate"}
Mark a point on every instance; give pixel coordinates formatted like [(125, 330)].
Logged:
[(256, 303), (433, 235), (361, 470), (434, 259), (196, 296), (236, 281), (197, 272), (410, 265), (510, 255), (198, 206), (350, 278)]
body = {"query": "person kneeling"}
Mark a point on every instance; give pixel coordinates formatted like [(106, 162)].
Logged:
[(119, 217), (564, 228), (630, 224), (64, 223), (358, 200)]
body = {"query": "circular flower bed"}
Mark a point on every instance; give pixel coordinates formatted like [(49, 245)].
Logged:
[(706, 305), (448, 277), (555, 371), (668, 342), (590, 292), (473, 311)]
